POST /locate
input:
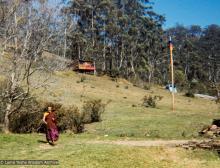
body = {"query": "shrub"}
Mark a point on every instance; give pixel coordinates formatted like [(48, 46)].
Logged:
[(56, 106), (92, 111), (114, 73), (217, 101), (147, 87), (1, 128), (114, 79), (190, 93), (70, 118), (151, 101), (28, 118), (82, 79), (201, 88), (198, 87)]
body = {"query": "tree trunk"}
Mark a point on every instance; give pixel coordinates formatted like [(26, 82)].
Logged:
[(16, 39), (104, 58), (64, 50), (6, 120), (132, 67), (79, 52), (104, 53), (93, 38), (121, 55)]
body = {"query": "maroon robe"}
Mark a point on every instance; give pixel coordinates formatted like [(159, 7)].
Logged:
[(52, 131)]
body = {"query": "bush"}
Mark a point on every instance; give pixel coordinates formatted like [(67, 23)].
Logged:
[(151, 101), (198, 87), (1, 128), (190, 93), (92, 111), (83, 78), (114, 73), (147, 87), (28, 118), (201, 88), (70, 118)]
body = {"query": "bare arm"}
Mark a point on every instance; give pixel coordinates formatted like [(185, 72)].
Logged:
[(44, 119)]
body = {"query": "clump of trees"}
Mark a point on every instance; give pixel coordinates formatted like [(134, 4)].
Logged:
[(123, 37), (24, 32), (196, 55)]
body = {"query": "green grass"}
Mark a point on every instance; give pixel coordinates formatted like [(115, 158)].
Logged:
[(120, 121), (75, 151)]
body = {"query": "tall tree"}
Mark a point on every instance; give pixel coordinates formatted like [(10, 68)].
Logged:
[(25, 37)]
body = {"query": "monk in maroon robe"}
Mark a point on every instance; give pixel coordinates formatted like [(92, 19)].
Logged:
[(49, 119)]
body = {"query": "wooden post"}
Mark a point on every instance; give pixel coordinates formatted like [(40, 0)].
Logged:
[(172, 72)]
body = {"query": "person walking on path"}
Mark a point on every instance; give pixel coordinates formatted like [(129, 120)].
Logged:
[(49, 119)]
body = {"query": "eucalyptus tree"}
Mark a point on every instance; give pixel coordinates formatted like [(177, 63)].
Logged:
[(118, 34)]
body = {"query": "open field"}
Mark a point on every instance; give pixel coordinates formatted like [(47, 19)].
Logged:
[(124, 115), (77, 151), (118, 140)]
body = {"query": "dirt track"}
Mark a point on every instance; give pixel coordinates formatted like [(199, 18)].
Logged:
[(147, 143)]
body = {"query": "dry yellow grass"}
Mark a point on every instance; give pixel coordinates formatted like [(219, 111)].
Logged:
[(123, 120)]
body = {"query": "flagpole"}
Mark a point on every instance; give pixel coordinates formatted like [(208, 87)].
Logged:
[(172, 71)]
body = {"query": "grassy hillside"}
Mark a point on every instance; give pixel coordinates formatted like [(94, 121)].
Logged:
[(124, 115), (124, 119)]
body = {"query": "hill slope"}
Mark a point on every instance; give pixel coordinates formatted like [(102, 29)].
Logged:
[(124, 115), (122, 138)]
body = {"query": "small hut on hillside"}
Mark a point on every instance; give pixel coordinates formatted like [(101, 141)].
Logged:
[(84, 66)]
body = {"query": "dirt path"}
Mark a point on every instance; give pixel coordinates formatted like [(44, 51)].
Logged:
[(147, 143)]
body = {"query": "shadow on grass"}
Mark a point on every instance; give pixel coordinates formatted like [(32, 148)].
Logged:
[(45, 142)]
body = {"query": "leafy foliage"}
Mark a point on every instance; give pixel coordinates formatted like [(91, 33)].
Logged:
[(151, 101), (70, 118), (121, 36), (92, 110)]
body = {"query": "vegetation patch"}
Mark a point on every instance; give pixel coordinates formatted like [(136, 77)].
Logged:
[(151, 101), (92, 110)]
